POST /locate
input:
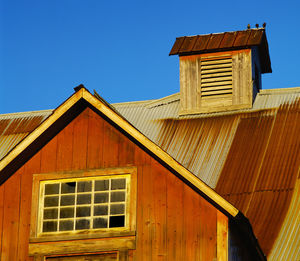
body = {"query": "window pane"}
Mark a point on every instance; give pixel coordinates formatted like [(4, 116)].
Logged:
[(100, 223), (49, 226), (51, 189), (83, 212), (92, 203), (67, 200), (117, 196), (100, 210), (84, 199), (101, 185), (101, 198), (116, 221), (66, 212), (68, 187), (51, 201), (118, 184), (117, 209), (82, 224), (84, 186), (50, 213), (65, 225)]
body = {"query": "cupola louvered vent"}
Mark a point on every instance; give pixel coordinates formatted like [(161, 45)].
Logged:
[(216, 77)]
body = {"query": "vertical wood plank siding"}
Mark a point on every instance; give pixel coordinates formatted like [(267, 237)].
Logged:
[(173, 221)]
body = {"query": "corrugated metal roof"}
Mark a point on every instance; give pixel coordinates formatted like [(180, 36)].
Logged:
[(250, 157), (287, 244), (14, 127), (261, 169), (189, 45)]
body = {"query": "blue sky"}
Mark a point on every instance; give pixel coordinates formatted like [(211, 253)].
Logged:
[(120, 48)]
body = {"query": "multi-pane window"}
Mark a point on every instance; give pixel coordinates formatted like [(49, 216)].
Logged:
[(83, 203)]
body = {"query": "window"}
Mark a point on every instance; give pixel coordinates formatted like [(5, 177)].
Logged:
[(83, 203), (94, 209), (216, 77)]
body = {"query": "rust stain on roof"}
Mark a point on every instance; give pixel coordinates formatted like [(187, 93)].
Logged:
[(208, 42), (242, 37), (228, 39), (261, 169), (15, 127)]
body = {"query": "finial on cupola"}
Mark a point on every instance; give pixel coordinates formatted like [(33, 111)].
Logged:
[(256, 25), (264, 25), (248, 26)]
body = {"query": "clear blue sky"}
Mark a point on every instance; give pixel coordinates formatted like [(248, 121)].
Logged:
[(120, 48)]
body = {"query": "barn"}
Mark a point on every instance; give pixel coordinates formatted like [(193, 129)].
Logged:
[(210, 173)]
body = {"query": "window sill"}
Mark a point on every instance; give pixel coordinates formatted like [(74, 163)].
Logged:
[(68, 246), (78, 236)]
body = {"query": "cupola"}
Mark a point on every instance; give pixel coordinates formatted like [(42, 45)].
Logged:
[(222, 71)]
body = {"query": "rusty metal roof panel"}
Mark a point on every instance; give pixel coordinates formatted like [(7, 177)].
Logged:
[(241, 38), (255, 37), (214, 41), (14, 127), (228, 40), (177, 45), (263, 163), (7, 142), (201, 43), (188, 44)]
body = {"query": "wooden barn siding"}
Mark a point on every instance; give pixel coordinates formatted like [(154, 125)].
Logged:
[(173, 221)]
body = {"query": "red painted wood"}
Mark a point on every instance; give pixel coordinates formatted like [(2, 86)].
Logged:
[(174, 224), (65, 148), (95, 141), (11, 218), (33, 167), (80, 137), (110, 146), (173, 221), (48, 156)]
